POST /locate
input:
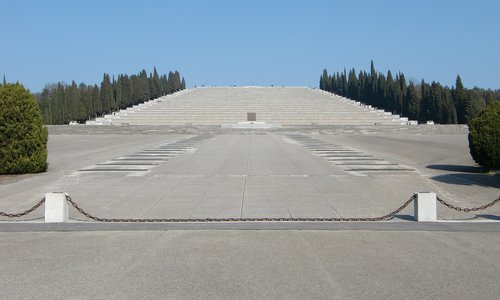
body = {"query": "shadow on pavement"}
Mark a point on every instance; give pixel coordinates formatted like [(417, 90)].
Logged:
[(405, 217), (468, 179), (488, 216), (457, 168)]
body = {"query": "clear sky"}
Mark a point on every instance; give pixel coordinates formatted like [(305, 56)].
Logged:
[(249, 42)]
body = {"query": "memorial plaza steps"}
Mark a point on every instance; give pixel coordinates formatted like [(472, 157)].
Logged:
[(224, 106)]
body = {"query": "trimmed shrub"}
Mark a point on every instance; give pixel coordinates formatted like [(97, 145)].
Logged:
[(23, 138), (484, 137)]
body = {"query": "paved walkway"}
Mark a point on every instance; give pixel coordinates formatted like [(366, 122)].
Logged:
[(280, 173), (251, 175)]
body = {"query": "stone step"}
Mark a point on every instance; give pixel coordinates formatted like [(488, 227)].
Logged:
[(223, 105)]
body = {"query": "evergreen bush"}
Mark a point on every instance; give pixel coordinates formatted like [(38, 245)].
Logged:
[(484, 137), (23, 138)]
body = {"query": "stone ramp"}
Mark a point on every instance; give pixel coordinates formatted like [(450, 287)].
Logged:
[(230, 105)]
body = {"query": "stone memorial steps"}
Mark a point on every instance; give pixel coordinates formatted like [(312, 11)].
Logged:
[(223, 105)]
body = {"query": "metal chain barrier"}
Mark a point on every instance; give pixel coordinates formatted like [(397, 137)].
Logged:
[(24, 213), (468, 209), (291, 219), (381, 218)]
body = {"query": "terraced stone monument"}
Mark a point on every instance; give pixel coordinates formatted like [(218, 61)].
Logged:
[(232, 105)]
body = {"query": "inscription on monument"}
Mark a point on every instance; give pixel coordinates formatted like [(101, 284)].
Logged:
[(251, 116)]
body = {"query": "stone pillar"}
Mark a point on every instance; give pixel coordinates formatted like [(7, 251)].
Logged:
[(425, 207), (56, 208)]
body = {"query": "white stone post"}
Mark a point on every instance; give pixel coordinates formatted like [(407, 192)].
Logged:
[(425, 207), (56, 208)]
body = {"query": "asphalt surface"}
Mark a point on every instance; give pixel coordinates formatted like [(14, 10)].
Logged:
[(250, 265)]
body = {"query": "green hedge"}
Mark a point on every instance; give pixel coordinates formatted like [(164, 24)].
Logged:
[(23, 138), (484, 137)]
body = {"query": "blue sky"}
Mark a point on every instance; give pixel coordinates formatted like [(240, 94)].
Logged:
[(249, 42)]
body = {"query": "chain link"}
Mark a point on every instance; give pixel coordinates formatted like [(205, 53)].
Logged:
[(185, 220), (468, 209), (28, 211)]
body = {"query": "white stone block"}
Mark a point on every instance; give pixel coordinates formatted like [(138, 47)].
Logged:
[(56, 208), (425, 207)]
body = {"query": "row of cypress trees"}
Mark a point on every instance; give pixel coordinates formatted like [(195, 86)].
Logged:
[(418, 101), (61, 103)]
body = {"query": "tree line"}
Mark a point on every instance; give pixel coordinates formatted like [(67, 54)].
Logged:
[(61, 103), (416, 100)]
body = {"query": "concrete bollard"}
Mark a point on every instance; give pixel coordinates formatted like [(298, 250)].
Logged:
[(425, 207), (56, 208)]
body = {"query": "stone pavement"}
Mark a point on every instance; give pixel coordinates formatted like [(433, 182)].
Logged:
[(173, 172), (277, 174)]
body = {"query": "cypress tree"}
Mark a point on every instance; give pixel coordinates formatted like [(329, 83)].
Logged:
[(468, 108), (398, 99), (171, 86), (352, 85), (323, 81), (64, 103), (178, 85), (156, 84), (112, 103), (164, 84), (402, 101), (144, 86), (362, 86), (96, 101), (425, 104), (413, 102), (436, 102), (382, 91), (126, 87), (136, 88), (73, 100), (118, 92), (462, 101), (449, 111), (106, 94), (373, 94), (389, 95), (85, 102)]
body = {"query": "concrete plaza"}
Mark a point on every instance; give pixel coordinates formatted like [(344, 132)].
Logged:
[(284, 173), (232, 173), (207, 171)]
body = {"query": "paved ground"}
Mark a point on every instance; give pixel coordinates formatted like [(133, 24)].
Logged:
[(254, 174), (250, 265), (193, 172)]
